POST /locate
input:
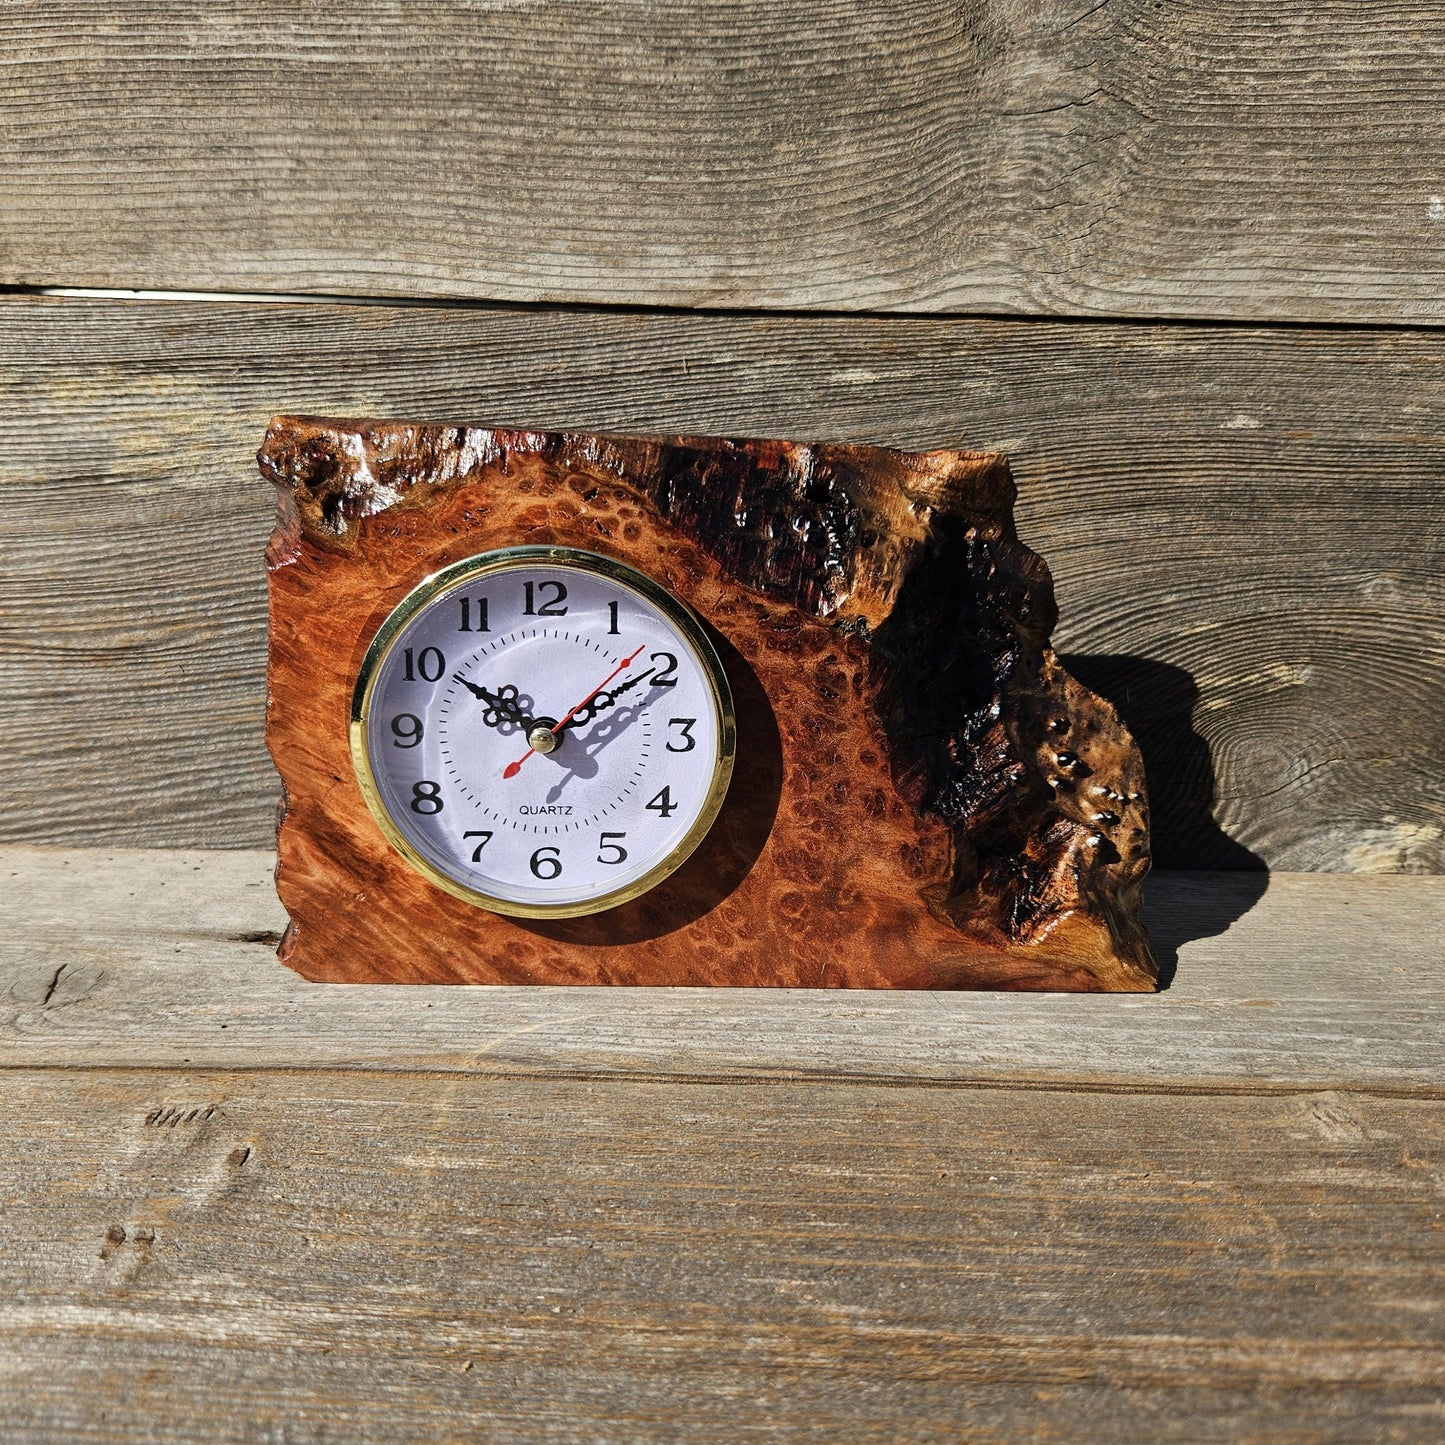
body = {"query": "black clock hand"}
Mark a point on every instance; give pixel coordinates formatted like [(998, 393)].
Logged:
[(501, 705), (603, 701), (622, 687), (544, 739)]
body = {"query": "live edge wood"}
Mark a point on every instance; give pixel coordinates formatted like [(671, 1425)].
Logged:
[(923, 796)]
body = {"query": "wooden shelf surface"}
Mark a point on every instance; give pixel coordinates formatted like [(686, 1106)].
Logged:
[(247, 1207), (157, 958)]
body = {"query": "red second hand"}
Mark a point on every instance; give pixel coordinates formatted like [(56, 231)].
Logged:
[(512, 769)]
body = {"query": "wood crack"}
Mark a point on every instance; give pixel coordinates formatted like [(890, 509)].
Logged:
[(53, 985), (600, 306), (1059, 1083)]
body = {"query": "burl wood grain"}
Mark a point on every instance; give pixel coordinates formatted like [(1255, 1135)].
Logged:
[(922, 798)]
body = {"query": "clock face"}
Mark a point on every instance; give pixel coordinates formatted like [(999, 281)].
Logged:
[(543, 731)]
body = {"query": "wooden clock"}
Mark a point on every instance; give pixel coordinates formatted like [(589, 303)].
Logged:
[(570, 709)]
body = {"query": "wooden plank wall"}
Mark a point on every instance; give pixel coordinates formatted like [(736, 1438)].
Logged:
[(1185, 261), (1191, 160), (1132, 157), (1244, 525)]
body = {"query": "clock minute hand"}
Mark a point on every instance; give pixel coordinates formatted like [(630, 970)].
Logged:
[(603, 701), (622, 687), (512, 769)]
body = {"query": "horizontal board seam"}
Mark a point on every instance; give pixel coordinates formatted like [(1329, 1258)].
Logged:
[(741, 313), (763, 1078)]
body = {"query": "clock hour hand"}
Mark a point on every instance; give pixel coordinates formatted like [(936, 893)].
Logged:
[(502, 705), (604, 699)]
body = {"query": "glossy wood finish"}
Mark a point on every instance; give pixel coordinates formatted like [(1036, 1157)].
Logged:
[(920, 792)]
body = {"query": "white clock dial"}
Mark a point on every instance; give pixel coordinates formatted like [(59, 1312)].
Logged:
[(543, 731)]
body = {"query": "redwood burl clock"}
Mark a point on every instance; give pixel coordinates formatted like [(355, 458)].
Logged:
[(552, 708)]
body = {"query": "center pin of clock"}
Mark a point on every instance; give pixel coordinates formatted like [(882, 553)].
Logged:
[(541, 738)]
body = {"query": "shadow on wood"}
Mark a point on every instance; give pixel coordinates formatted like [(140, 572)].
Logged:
[(1156, 702), (726, 855)]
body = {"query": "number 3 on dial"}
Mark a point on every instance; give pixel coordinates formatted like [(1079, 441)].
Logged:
[(563, 751)]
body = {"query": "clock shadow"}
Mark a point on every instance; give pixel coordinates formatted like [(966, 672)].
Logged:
[(725, 857), (582, 762)]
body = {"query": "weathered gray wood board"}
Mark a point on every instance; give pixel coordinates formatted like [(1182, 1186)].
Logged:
[(1245, 527), (1202, 158), (344, 1256), (161, 958), (242, 1207)]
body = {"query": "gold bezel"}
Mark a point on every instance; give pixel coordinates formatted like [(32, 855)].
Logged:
[(467, 570)]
